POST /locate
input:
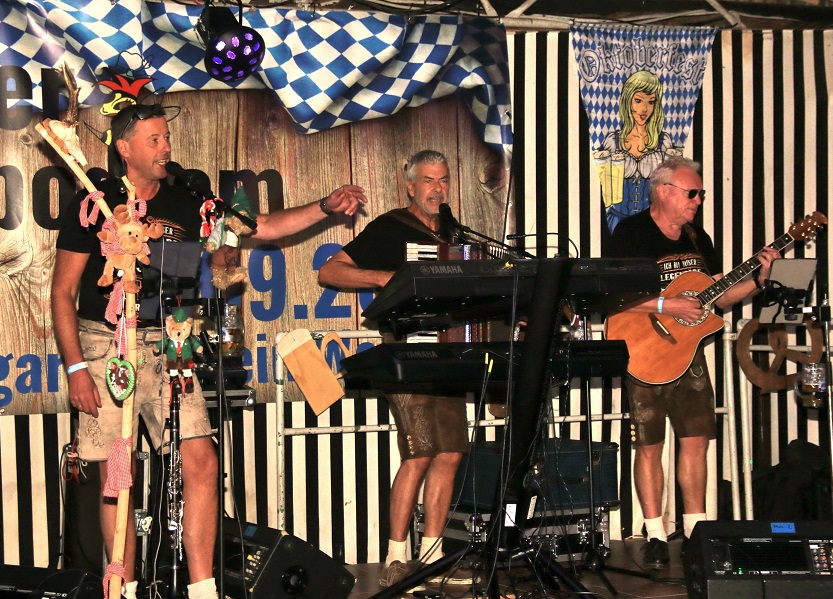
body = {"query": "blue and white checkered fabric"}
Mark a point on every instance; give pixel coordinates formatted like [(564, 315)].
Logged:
[(327, 68), (606, 55)]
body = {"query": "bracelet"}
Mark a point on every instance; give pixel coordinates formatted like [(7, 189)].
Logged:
[(322, 203), (660, 301), (759, 285), (76, 367)]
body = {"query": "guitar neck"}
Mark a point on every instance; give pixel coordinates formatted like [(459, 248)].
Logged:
[(714, 291)]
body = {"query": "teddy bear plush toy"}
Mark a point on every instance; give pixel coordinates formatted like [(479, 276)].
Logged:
[(223, 243), (123, 243), (180, 346)]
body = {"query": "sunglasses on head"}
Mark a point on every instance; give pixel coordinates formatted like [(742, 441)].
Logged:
[(691, 193), (142, 112)]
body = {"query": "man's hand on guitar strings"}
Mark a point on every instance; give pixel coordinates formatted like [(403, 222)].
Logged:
[(684, 307)]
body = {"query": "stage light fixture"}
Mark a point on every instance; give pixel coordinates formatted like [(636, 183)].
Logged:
[(232, 50)]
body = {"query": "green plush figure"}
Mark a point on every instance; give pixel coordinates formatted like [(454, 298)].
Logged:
[(179, 347)]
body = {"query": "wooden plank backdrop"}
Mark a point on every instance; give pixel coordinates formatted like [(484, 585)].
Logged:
[(234, 138)]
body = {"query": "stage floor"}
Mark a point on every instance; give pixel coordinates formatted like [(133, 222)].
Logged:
[(668, 583)]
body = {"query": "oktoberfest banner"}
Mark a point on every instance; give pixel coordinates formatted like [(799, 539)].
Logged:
[(327, 68), (639, 86)]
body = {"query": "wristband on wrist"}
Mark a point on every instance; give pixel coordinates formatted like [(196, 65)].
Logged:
[(322, 203), (660, 301), (76, 367), (759, 285)]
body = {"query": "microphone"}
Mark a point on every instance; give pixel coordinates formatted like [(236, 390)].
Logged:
[(191, 180), (448, 217)]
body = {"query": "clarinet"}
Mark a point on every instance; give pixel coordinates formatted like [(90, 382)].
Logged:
[(175, 501)]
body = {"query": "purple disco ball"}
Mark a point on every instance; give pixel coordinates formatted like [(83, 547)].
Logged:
[(233, 51)]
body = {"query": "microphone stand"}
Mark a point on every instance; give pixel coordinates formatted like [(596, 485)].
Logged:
[(213, 307), (220, 385), (463, 232)]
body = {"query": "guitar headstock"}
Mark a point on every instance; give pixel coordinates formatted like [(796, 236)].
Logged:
[(806, 228)]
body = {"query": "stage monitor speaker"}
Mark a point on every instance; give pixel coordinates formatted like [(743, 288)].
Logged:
[(754, 560), (266, 563), (23, 582)]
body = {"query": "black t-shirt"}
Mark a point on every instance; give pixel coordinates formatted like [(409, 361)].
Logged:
[(381, 245), (172, 207), (638, 236)]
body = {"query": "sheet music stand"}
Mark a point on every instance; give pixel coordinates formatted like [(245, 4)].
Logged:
[(787, 290)]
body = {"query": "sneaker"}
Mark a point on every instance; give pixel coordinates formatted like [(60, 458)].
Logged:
[(397, 572), (683, 546), (655, 554)]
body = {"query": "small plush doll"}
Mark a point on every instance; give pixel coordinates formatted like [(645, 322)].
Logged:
[(180, 346), (124, 242), (224, 240)]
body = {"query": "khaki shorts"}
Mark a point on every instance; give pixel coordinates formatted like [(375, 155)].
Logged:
[(151, 396), (688, 402), (428, 425)]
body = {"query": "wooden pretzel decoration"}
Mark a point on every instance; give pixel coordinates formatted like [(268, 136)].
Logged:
[(769, 379)]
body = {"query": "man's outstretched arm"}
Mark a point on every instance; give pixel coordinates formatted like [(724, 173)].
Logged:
[(346, 199)]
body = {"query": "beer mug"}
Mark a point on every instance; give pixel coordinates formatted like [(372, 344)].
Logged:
[(811, 385), (232, 338)]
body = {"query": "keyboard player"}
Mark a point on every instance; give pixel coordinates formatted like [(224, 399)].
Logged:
[(432, 431)]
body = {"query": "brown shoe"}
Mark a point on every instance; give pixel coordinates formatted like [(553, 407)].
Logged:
[(397, 572)]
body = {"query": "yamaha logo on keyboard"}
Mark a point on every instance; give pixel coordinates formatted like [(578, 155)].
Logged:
[(416, 354), (440, 269)]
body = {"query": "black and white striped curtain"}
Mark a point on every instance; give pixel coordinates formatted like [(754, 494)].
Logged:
[(762, 133)]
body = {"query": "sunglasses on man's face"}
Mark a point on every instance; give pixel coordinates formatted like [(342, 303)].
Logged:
[(692, 193)]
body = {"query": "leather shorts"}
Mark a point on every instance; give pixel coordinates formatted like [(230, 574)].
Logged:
[(428, 425), (688, 402)]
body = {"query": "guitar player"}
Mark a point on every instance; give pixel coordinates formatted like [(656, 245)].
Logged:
[(666, 232)]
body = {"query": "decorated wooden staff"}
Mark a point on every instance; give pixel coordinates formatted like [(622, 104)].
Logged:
[(123, 242)]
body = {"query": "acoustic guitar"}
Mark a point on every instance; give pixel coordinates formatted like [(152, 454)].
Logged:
[(661, 347)]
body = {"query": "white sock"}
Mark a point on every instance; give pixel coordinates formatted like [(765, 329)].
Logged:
[(397, 552), (128, 590), (430, 549), (655, 528), (204, 589), (689, 520)]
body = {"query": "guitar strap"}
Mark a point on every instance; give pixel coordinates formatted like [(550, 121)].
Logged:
[(404, 215), (692, 235)]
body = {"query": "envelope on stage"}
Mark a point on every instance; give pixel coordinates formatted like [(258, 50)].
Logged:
[(314, 376)]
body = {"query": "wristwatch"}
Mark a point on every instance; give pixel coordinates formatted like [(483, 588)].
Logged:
[(322, 203)]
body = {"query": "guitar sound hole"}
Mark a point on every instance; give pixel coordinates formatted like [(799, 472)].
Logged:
[(703, 316)]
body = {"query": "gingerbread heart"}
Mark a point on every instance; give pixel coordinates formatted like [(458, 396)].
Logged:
[(121, 378)]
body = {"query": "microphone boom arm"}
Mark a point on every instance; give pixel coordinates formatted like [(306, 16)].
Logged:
[(463, 231)]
